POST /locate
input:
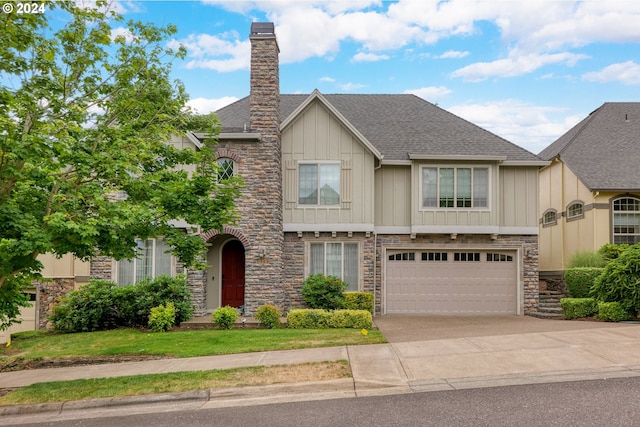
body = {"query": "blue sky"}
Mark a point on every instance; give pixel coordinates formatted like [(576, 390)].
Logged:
[(525, 70)]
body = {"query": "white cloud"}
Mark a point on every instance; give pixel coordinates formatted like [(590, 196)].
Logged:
[(369, 57), (222, 53), (124, 32), (516, 64), (627, 73), (349, 87), (453, 54), (532, 127), (207, 105), (430, 93), (327, 79)]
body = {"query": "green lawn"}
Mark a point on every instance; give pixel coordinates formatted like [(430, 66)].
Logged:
[(42, 345), (39, 345)]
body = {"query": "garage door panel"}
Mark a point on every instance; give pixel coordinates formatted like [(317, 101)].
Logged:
[(471, 282)]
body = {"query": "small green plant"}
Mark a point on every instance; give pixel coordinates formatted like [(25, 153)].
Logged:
[(611, 312), (162, 317), (269, 316), (575, 308), (580, 280), (224, 317), (324, 292), (320, 319), (358, 301), (587, 259)]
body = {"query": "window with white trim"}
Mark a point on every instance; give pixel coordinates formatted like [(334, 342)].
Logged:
[(319, 184), (626, 220), (153, 260), (338, 259), (455, 187)]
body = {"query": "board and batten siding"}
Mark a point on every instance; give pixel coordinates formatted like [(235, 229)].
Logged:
[(316, 135), (518, 196), (393, 196)]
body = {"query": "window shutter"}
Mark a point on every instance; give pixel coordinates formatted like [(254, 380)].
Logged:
[(346, 184), (290, 184)]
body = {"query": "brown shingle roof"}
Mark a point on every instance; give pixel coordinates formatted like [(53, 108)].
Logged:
[(397, 125), (603, 150)]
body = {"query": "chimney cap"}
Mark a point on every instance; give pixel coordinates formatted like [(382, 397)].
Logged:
[(262, 28)]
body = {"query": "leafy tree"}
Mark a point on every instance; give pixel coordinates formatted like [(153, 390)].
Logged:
[(84, 164)]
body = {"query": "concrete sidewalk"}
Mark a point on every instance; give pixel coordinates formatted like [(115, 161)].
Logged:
[(398, 367)]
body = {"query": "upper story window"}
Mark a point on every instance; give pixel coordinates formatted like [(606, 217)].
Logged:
[(227, 169), (153, 260), (319, 184), (461, 187), (550, 217), (626, 220), (575, 210)]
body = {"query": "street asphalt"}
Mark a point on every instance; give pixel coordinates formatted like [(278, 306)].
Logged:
[(423, 353)]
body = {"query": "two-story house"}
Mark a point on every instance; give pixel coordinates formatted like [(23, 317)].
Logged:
[(391, 193), (590, 192)]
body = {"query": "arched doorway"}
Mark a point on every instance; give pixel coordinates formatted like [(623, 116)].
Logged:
[(232, 274)]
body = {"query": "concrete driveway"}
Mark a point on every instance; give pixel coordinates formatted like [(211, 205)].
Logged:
[(407, 328)]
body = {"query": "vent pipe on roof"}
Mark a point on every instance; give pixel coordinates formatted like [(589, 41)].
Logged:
[(626, 118)]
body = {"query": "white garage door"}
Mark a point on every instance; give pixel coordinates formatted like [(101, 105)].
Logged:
[(451, 282)]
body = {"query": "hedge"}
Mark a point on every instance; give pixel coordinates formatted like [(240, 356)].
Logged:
[(612, 312), (580, 280), (358, 301), (321, 319), (574, 308)]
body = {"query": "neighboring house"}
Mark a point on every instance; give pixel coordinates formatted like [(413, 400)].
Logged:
[(590, 192), (395, 195)]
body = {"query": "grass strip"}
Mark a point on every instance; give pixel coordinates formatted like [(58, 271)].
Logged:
[(63, 391)]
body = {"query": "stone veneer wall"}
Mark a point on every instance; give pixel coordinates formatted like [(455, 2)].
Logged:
[(101, 267), (49, 295), (294, 262), (528, 244)]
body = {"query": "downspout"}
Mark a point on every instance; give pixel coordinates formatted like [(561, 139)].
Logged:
[(375, 272)]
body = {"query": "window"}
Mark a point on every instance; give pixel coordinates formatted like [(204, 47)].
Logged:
[(575, 210), (455, 187), (335, 259), (152, 261), (626, 221), (434, 256), (466, 256), (319, 184), (227, 168), (404, 256), (549, 218), (499, 258)]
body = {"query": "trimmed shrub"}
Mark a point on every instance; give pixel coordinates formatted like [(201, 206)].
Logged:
[(313, 318), (87, 309), (580, 280), (102, 305), (574, 308), (320, 319), (586, 259), (224, 317), (620, 281), (162, 317), (358, 301), (269, 316), (324, 292), (611, 312)]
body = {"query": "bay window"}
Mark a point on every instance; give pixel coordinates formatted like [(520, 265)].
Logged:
[(152, 261)]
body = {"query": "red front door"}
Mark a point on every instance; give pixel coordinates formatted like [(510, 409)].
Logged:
[(233, 274)]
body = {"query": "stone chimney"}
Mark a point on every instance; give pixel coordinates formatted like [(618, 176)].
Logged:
[(265, 81), (262, 206)]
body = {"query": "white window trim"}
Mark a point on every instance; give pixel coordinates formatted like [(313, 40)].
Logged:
[(115, 266), (423, 208), (613, 216), (307, 258), (233, 162), (317, 162)]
